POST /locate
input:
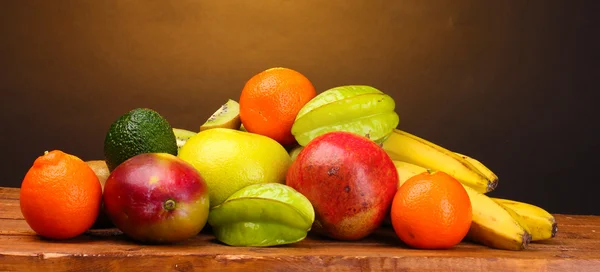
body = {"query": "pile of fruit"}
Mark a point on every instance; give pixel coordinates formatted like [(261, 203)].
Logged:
[(266, 171)]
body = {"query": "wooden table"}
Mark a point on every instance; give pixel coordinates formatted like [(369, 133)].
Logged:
[(575, 248)]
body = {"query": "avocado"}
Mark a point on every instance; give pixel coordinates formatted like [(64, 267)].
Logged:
[(141, 130)]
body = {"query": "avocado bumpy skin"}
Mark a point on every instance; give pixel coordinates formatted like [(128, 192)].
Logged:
[(141, 130)]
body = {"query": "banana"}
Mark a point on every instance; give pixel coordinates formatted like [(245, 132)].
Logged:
[(495, 226), (407, 170), (403, 146), (481, 167), (541, 223), (492, 224)]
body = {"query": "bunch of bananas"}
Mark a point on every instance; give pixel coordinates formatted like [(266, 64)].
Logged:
[(497, 223)]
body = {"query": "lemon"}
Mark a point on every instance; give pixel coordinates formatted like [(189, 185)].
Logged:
[(230, 160)]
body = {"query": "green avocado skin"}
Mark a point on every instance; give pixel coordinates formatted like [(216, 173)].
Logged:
[(139, 131)]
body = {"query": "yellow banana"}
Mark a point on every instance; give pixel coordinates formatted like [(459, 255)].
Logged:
[(495, 226), (407, 170), (492, 224), (481, 167), (541, 223), (403, 146)]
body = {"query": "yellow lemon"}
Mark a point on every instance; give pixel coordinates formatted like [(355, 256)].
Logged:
[(230, 160)]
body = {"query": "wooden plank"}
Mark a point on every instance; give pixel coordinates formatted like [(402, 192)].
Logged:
[(575, 248), (9, 193), (286, 263), (578, 220), (112, 241), (10, 209), (14, 227), (381, 242), (117, 253), (378, 252)]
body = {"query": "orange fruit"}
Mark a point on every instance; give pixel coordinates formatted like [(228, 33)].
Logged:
[(431, 210), (60, 196), (271, 100)]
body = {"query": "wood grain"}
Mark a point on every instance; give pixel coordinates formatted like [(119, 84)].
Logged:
[(576, 248), (9, 193)]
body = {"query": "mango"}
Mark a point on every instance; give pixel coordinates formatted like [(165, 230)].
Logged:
[(156, 198)]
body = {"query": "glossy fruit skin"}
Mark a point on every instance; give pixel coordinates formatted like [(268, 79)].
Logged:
[(359, 109), (60, 196), (262, 215), (431, 211), (270, 101), (230, 160), (407, 147), (137, 195), (350, 182), (541, 224)]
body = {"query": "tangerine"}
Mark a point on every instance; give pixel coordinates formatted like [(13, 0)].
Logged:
[(431, 210), (270, 101), (60, 196)]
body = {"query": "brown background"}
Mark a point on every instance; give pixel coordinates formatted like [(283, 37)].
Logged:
[(508, 82)]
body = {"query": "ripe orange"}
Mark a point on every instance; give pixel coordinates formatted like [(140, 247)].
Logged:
[(60, 196), (431, 211), (271, 100)]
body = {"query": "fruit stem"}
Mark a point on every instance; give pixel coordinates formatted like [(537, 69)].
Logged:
[(430, 171), (554, 229), (169, 205)]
